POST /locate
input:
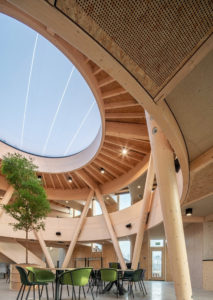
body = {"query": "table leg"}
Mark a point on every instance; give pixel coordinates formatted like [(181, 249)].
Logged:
[(57, 285)]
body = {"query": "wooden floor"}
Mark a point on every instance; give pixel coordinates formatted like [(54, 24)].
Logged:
[(157, 290)]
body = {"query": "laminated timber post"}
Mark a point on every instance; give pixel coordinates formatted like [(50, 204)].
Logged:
[(7, 196), (143, 214), (110, 229), (163, 159), (42, 243), (77, 230)]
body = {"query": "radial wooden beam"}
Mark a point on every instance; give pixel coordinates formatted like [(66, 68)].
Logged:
[(105, 81), (110, 228), (77, 230), (124, 115), (87, 179), (123, 161), (163, 158), (6, 198), (120, 104), (113, 162), (114, 92), (143, 214), (127, 130), (117, 149), (99, 163), (47, 255), (139, 146)]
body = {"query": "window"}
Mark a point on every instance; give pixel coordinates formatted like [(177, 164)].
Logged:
[(96, 247), (125, 249), (77, 213), (156, 243), (124, 201), (96, 208)]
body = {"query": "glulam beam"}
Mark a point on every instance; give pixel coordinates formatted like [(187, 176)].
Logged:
[(127, 130), (77, 230), (110, 228), (163, 158), (143, 214)]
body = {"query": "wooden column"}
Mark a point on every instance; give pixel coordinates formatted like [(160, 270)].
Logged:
[(163, 159), (143, 214), (110, 229), (42, 243), (77, 230), (6, 198)]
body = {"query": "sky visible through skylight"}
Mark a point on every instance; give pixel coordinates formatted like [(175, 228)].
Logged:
[(47, 108)]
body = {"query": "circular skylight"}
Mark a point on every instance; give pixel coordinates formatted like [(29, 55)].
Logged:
[(46, 106)]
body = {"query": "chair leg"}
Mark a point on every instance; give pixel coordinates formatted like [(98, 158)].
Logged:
[(117, 288), (33, 292), (28, 292), (23, 292), (42, 288), (20, 291), (79, 294), (68, 292), (39, 293), (84, 292), (53, 290), (74, 292), (144, 287), (61, 292), (47, 292)]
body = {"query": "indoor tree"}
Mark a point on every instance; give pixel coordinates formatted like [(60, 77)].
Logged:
[(29, 205)]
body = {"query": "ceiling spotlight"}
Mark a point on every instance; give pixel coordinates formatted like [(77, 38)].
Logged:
[(139, 186), (102, 170), (69, 179), (124, 151), (188, 212), (67, 201)]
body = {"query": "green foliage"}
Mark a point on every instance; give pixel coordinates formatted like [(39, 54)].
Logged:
[(29, 206)]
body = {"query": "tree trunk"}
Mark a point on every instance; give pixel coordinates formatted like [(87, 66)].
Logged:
[(26, 246)]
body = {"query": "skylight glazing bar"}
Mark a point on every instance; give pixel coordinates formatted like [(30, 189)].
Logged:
[(56, 113), (28, 89)]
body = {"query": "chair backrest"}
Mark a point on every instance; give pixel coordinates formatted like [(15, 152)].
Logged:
[(137, 275), (41, 274), (77, 277), (129, 265), (114, 265), (143, 274), (23, 275), (109, 274)]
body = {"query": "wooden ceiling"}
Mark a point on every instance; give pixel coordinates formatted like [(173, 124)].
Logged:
[(125, 127)]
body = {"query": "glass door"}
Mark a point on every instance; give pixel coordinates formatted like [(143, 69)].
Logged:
[(157, 262)]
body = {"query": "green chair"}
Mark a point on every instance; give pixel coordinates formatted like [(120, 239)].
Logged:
[(110, 276), (41, 275), (78, 277), (135, 277), (25, 281), (114, 265)]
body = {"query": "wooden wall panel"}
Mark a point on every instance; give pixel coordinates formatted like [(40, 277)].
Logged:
[(194, 246)]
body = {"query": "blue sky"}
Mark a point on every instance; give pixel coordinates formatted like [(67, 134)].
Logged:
[(47, 107)]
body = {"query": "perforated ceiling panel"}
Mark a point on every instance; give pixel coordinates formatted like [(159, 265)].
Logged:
[(156, 35)]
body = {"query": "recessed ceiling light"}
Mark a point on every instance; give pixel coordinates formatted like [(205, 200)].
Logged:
[(139, 186), (69, 179), (124, 151), (102, 170)]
